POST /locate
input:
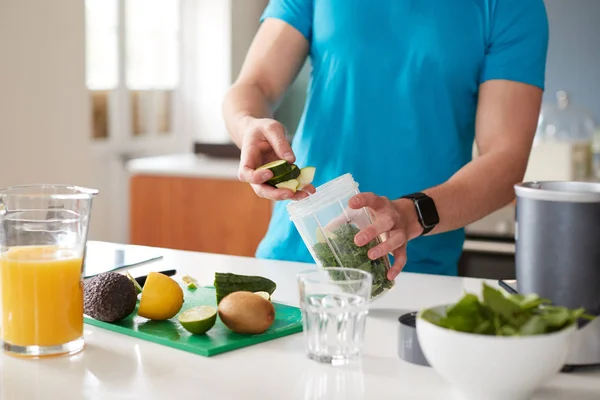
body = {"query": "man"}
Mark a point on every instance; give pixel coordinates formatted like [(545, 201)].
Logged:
[(399, 90)]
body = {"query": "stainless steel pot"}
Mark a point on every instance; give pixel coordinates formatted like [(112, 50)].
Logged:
[(557, 252)]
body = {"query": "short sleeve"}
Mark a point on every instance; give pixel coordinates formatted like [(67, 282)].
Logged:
[(297, 13), (517, 42)]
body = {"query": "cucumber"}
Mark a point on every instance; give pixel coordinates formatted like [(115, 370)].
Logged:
[(226, 283), (292, 174), (321, 237), (307, 174), (277, 167), (292, 184)]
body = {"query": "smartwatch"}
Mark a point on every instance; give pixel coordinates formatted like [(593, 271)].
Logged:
[(426, 211)]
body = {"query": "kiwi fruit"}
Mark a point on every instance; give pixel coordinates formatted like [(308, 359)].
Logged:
[(246, 312), (109, 297)]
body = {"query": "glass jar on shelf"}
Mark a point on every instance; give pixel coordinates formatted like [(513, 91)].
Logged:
[(596, 155), (570, 126)]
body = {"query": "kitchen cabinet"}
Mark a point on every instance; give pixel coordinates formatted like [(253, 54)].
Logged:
[(196, 213)]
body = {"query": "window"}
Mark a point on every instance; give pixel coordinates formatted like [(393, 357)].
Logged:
[(133, 66)]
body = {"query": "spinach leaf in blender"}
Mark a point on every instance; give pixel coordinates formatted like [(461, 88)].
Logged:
[(352, 256)]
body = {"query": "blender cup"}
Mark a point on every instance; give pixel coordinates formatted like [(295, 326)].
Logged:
[(43, 232), (328, 225)]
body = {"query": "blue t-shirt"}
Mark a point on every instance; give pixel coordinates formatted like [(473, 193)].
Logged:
[(393, 95)]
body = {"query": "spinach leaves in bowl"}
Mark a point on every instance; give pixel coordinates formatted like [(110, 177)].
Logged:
[(500, 314)]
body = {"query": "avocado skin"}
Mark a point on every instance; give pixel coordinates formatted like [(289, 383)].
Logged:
[(109, 297)]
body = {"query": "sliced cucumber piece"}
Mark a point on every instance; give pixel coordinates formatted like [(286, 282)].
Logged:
[(277, 167), (307, 174), (136, 285), (292, 185), (293, 174), (264, 295), (190, 282), (321, 237)]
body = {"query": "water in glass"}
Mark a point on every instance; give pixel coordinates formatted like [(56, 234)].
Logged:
[(335, 308)]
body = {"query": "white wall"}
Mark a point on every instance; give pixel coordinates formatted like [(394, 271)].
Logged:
[(43, 99), (44, 106)]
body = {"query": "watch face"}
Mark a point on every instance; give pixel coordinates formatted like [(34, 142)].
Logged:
[(427, 212)]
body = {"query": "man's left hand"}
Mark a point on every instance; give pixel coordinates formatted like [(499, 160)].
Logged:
[(393, 221)]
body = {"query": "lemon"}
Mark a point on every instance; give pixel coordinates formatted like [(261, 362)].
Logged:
[(264, 295), (198, 320), (162, 297)]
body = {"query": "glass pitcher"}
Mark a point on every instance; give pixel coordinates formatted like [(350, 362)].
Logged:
[(43, 232)]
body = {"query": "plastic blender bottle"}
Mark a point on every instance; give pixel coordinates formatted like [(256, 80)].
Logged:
[(328, 225)]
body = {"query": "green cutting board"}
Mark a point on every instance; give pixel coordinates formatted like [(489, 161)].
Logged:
[(219, 339)]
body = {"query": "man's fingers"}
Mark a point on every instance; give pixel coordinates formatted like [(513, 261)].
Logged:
[(395, 240), (310, 189), (382, 224), (299, 195), (272, 193), (275, 134), (250, 175), (249, 161), (399, 263), (370, 200)]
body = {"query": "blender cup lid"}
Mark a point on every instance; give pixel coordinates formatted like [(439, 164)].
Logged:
[(329, 192)]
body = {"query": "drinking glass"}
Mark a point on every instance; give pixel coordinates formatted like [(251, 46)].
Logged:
[(43, 231), (334, 303)]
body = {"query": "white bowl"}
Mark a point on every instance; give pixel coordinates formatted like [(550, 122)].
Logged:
[(493, 367)]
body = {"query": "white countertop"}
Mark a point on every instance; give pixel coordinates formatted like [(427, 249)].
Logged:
[(186, 164), (114, 366)]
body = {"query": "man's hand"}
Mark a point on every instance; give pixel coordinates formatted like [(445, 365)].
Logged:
[(274, 59), (394, 221), (264, 141)]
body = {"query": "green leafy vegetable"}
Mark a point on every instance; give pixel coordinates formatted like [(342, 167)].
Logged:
[(502, 314), (352, 256)]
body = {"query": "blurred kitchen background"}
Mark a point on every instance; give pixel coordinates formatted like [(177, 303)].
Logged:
[(125, 96)]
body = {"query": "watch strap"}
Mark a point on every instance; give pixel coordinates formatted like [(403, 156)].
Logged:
[(427, 229)]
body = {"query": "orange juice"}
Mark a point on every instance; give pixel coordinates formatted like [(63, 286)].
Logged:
[(42, 296)]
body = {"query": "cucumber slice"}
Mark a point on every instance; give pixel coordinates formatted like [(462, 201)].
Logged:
[(292, 184), (277, 167), (321, 237), (293, 174), (307, 174)]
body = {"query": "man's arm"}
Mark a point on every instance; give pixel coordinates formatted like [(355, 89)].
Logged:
[(511, 82), (272, 63), (275, 57), (512, 76), (506, 122)]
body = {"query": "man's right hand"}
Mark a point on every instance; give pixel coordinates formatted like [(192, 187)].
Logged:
[(264, 141)]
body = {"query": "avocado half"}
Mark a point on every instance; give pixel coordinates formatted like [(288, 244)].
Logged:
[(109, 297)]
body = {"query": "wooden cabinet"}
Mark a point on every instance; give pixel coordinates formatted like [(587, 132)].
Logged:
[(198, 214)]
